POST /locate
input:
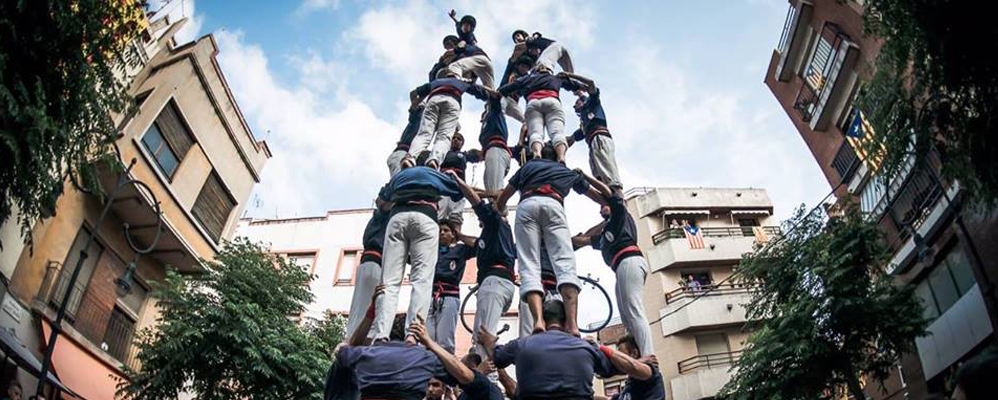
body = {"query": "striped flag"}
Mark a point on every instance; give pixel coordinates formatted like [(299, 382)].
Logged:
[(694, 236)]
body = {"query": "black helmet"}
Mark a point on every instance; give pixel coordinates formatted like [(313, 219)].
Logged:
[(469, 19), (451, 38), (521, 32)]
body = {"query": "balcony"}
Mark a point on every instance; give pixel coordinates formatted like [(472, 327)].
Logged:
[(846, 161), (793, 39), (955, 333), (702, 376), (827, 78), (716, 306), (720, 244), (109, 333)]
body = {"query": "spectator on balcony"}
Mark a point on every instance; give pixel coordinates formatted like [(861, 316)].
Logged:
[(14, 390), (692, 283)]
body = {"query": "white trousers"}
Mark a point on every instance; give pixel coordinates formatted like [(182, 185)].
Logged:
[(480, 65), (631, 274), (367, 278), (546, 114), (412, 235), (537, 218), (437, 127)]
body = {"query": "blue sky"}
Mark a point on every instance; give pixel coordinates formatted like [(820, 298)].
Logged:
[(325, 82)]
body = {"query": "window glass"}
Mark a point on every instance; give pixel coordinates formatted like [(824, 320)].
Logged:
[(960, 266), (712, 343), (153, 140), (347, 264), (924, 293), (943, 288)]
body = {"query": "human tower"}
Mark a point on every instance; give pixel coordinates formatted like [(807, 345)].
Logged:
[(418, 221)]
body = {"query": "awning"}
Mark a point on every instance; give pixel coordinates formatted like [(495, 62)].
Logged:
[(685, 212), (17, 352), (80, 370), (751, 212)]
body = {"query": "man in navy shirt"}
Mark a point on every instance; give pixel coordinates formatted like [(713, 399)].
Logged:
[(541, 88), (494, 150), (456, 160), (548, 52), (450, 42), (369, 271), (556, 364), (476, 386), (402, 147), (496, 253), (412, 234), (440, 115), (471, 58), (649, 388), (446, 305), (593, 129), (617, 239), (540, 216)]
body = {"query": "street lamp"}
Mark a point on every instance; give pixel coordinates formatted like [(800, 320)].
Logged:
[(123, 284)]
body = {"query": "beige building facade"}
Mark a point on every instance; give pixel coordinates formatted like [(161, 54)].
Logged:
[(702, 326), (191, 153)]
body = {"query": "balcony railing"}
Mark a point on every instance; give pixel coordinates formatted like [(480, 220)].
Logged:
[(709, 361), (737, 231), (103, 323), (706, 290), (819, 74), (788, 25), (845, 161)]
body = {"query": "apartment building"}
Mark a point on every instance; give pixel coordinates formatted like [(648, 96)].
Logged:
[(944, 249), (193, 157), (330, 247), (702, 328)]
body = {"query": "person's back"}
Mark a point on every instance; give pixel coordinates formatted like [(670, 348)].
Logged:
[(392, 370)]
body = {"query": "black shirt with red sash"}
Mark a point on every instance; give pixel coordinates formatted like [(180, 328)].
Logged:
[(374, 236), (547, 178), (494, 132), (419, 189), (538, 84), (450, 269), (452, 87), (619, 239), (495, 247), (592, 119), (456, 161)]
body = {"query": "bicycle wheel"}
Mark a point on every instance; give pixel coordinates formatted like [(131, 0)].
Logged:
[(596, 302), (464, 304)]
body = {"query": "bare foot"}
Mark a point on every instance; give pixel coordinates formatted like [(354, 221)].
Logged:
[(572, 330), (539, 327), (410, 340)]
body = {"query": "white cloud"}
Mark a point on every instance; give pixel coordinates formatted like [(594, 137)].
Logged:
[(314, 5), (323, 143)]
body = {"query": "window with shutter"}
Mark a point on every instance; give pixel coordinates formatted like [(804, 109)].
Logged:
[(174, 130), (213, 206)]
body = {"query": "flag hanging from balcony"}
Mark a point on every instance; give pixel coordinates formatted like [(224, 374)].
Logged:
[(693, 236)]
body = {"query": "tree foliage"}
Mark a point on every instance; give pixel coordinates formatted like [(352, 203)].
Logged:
[(228, 333), (824, 311), (936, 88), (58, 91)]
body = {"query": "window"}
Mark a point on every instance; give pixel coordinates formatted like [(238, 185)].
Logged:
[(86, 270), (746, 224), (712, 343), (156, 145), (946, 284), (696, 280), (348, 263), (119, 335), (303, 260), (168, 139), (213, 206)]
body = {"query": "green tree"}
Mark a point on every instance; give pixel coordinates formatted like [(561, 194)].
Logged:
[(935, 88), (824, 312), (58, 91), (228, 333), (331, 329)]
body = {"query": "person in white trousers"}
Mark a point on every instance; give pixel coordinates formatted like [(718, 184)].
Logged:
[(617, 239), (440, 115), (412, 235), (470, 57), (541, 88), (369, 271)]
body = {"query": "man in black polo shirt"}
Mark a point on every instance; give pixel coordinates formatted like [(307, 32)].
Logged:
[(494, 149), (540, 216), (369, 271), (647, 384), (446, 305), (440, 115), (456, 160), (556, 364), (411, 236), (617, 239), (496, 258), (593, 129), (402, 147), (471, 58)]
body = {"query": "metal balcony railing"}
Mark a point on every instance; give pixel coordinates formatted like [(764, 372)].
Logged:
[(818, 75), (709, 361), (103, 323), (735, 231), (846, 161), (788, 25), (706, 290)]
